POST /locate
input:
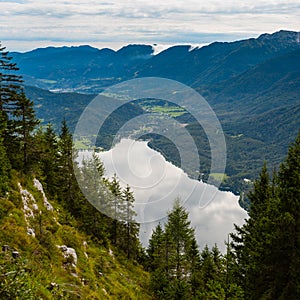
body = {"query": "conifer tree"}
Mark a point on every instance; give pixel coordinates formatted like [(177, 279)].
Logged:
[(232, 286), (131, 227), (48, 158), (173, 256), (117, 205), (9, 82), (287, 247), (22, 126), (181, 235), (267, 246), (157, 261), (207, 267), (4, 161), (155, 250), (253, 241), (194, 279), (10, 91), (96, 212), (68, 189), (93, 183)]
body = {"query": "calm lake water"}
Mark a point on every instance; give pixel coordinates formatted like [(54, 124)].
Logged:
[(156, 183)]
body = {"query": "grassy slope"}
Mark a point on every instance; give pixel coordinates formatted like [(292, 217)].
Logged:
[(102, 274)]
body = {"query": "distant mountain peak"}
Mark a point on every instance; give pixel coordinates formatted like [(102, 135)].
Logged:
[(282, 35), (136, 51)]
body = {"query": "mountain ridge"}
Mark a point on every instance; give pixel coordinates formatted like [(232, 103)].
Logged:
[(194, 66), (245, 82)]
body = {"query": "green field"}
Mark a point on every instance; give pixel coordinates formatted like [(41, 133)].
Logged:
[(173, 111)]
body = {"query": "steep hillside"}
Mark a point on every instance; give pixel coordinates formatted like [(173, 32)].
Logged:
[(269, 85), (45, 256), (260, 106), (54, 107)]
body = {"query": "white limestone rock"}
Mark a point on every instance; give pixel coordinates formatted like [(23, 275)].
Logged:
[(69, 252), (39, 187)]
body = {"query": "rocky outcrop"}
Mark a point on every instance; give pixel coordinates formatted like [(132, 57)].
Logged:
[(39, 186), (30, 208), (69, 254)]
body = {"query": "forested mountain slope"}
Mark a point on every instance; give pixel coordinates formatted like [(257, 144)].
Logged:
[(252, 85)]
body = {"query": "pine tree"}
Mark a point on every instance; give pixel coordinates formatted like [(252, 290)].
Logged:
[(155, 250), (9, 82), (287, 248), (194, 279), (157, 263), (48, 158), (267, 247), (207, 267), (93, 183), (132, 228), (10, 90), (181, 235), (110, 209), (253, 243), (117, 205), (232, 287), (173, 257), (96, 212), (68, 190), (23, 124), (4, 161)]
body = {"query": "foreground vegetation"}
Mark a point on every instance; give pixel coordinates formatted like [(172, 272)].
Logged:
[(41, 270)]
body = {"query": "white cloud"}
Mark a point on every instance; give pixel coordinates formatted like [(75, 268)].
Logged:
[(38, 23)]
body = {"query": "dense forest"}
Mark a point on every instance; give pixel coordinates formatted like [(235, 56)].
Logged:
[(65, 248)]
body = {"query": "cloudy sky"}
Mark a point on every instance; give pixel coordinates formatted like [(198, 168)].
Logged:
[(27, 24)]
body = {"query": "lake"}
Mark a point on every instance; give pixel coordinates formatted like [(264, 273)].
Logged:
[(156, 183)]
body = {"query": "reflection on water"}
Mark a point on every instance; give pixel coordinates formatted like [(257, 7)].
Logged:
[(156, 183)]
